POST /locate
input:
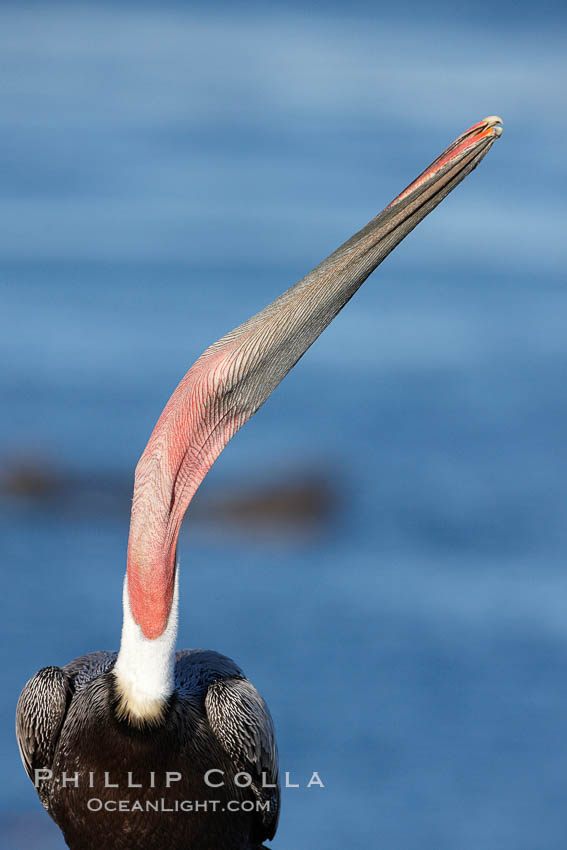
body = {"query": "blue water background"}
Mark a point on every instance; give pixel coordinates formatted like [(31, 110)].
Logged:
[(166, 172)]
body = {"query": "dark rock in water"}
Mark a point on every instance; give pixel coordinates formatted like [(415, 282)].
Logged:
[(28, 480), (64, 491), (301, 501), (304, 500)]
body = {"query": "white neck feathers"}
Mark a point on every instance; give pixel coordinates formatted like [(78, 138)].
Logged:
[(144, 669)]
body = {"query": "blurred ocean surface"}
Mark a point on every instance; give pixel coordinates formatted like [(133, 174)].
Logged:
[(165, 174)]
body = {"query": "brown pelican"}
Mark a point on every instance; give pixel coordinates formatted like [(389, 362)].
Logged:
[(148, 748)]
